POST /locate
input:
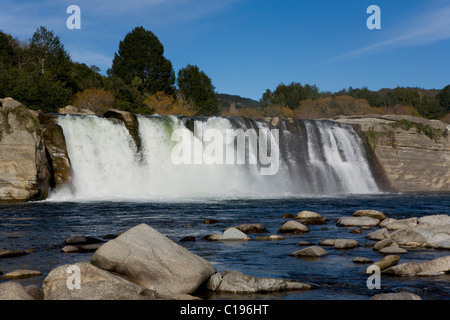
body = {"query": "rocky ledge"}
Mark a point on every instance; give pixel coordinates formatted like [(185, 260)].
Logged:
[(408, 154)]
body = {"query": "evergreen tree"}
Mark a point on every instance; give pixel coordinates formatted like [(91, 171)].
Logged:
[(443, 98), (196, 88), (141, 58)]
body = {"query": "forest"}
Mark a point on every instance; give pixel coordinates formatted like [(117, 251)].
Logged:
[(41, 74)]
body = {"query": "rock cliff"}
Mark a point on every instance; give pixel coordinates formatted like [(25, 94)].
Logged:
[(24, 166), (408, 154)]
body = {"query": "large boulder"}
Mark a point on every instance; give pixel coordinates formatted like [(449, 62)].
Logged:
[(237, 282), (385, 263), (150, 259), (95, 284)]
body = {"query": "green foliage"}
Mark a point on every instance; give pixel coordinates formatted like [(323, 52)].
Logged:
[(141, 57), (289, 95), (443, 97), (196, 88)]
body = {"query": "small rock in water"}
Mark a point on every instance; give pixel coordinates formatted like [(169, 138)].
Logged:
[(293, 227), (80, 248), (11, 253), (393, 250), (272, 237), (386, 262), (234, 234), (81, 240), (357, 222), (313, 251), (340, 243), (251, 228), (22, 274), (361, 260)]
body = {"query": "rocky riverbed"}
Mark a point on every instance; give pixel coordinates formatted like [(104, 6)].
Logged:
[(141, 263)]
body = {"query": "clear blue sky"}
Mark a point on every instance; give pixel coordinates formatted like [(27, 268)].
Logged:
[(248, 46)]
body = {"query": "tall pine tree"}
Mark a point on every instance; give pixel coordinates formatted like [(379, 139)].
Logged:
[(196, 88), (140, 62)]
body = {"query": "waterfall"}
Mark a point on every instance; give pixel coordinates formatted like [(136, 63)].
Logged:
[(191, 158)]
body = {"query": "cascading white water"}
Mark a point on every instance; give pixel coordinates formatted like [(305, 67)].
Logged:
[(107, 166)]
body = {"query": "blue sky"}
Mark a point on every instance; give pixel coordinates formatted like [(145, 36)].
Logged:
[(248, 46)]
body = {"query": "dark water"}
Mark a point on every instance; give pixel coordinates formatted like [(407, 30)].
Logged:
[(43, 227)]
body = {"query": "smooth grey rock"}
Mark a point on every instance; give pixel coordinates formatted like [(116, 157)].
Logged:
[(150, 259), (396, 296), (13, 291), (36, 292), (292, 226), (383, 244), (358, 222), (362, 260), (307, 215), (234, 234), (95, 284), (393, 250), (237, 282), (22, 274), (437, 265), (435, 220), (394, 224)]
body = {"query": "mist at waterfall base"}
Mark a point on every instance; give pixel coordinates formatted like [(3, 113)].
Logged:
[(323, 168)]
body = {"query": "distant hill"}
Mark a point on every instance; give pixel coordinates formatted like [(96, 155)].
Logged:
[(226, 100)]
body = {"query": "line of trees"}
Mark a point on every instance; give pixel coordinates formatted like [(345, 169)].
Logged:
[(40, 73), (307, 101)]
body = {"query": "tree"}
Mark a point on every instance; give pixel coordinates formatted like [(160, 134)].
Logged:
[(443, 97), (48, 53), (141, 56), (289, 95), (96, 100), (196, 88)]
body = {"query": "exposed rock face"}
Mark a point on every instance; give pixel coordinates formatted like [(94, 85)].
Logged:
[(409, 154), (131, 123), (55, 143), (24, 168)]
